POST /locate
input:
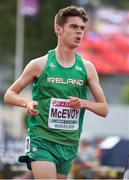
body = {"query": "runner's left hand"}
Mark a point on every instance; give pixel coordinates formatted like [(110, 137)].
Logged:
[(75, 102)]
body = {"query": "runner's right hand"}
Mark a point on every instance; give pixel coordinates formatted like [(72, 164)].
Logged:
[(31, 108)]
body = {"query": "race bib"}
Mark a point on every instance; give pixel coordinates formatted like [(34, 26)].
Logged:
[(61, 116)]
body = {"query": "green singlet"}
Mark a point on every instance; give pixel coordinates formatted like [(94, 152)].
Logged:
[(56, 121)]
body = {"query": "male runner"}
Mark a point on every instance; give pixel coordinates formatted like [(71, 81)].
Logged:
[(60, 80)]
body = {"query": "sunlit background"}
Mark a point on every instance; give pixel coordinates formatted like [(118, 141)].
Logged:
[(27, 32)]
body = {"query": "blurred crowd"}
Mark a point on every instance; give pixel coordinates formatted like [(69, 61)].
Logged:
[(96, 162), (87, 160), (107, 44)]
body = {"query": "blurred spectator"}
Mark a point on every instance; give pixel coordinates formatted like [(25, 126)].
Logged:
[(25, 175), (88, 158)]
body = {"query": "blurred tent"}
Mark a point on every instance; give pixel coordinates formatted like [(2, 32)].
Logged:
[(115, 151)]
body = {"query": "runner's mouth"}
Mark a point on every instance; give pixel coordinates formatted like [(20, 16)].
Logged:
[(78, 38)]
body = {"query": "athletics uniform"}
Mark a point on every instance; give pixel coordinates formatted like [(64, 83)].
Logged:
[(54, 133)]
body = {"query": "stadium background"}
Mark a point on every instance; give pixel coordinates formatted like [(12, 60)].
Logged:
[(27, 32)]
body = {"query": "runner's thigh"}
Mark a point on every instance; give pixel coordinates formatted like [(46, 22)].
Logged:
[(44, 170), (61, 176)]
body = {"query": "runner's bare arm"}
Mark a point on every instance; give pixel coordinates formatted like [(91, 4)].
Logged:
[(100, 106), (31, 71)]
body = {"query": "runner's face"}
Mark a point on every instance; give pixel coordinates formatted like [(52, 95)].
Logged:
[(72, 32)]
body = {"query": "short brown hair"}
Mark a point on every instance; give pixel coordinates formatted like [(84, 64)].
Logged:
[(63, 14)]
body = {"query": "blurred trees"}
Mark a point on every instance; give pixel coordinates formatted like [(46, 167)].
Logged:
[(7, 29), (124, 4), (126, 94), (39, 30)]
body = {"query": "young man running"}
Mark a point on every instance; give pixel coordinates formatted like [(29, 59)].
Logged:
[(60, 81)]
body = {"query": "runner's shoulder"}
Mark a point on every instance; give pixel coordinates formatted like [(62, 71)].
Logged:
[(38, 64), (87, 63), (89, 66), (40, 61)]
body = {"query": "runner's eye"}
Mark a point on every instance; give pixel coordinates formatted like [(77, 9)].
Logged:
[(82, 28), (74, 26)]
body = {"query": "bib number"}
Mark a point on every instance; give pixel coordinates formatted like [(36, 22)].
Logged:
[(61, 116)]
